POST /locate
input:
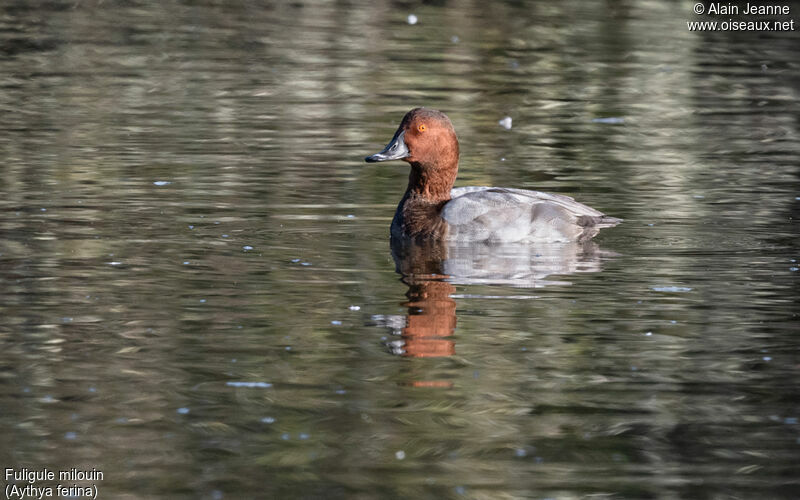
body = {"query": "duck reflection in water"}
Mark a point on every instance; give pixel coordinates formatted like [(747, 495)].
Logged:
[(431, 318), (431, 269)]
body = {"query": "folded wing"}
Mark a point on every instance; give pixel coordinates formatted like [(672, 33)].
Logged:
[(478, 213)]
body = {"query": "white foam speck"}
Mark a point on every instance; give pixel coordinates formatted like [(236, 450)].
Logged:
[(505, 123), (355, 308), (672, 289), (610, 120), (412, 19), (162, 183), (259, 385)]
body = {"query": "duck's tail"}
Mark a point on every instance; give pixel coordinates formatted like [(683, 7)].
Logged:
[(592, 224), (606, 221)]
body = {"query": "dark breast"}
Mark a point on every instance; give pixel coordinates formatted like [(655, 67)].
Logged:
[(419, 219)]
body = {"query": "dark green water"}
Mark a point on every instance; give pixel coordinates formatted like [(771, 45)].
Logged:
[(198, 298)]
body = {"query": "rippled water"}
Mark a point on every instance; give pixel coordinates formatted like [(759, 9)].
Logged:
[(199, 298)]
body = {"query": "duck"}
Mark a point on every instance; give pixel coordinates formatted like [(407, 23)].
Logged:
[(433, 210)]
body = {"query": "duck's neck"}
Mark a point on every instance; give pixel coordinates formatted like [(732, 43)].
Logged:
[(431, 184), (419, 212)]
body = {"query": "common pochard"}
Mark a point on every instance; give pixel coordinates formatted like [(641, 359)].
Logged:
[(432, 209)]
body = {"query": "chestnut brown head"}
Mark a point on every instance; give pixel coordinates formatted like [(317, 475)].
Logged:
[(425, 138)]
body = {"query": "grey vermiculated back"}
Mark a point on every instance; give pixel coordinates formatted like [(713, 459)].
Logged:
[(479, 213)]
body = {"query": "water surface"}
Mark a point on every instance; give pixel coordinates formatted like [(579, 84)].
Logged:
[(198, 296)]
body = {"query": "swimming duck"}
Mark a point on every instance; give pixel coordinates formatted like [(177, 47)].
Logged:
[(431, 209)]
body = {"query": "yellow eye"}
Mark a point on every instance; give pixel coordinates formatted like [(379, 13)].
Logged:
[(421, 128)]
